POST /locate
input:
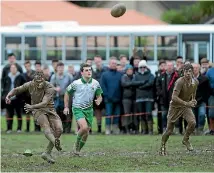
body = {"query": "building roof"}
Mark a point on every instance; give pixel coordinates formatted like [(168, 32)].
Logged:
[(14, 12)]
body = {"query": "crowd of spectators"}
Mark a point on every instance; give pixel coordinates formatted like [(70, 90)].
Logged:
[(132, 94)]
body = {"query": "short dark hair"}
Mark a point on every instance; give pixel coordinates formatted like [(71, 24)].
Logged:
[(10, 54), (38, 63), (27, 62), (187, 67), (90, 59), (179, 57), (162, 62), (122, 55), (55, 60), (60, 64), (98, 56), (83, 65)]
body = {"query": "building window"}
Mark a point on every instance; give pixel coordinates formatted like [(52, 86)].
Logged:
[(73, 46), (33, 48), (54, 48), (119, 45), (96, 45), (167, 47), (12, 45), (145, 46)]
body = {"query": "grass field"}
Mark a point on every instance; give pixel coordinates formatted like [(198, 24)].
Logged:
[(107, 153)]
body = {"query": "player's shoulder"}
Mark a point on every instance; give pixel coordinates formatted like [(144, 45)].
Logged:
[(28, 83), (94, 81), (77, 81), (49, 86), (180, 80)]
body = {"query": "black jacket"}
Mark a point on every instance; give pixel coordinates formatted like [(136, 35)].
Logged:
[(164, 91), (128, 89), (144, 85), (6, 70), (203, 91), (6, 87)]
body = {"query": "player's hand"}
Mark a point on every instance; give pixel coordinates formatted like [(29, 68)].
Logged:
[(27, 108), (192, 103), (98, 100), (66, 111), (58, 89), (7, 99)]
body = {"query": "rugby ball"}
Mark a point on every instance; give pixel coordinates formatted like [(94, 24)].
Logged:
[(118, 10)]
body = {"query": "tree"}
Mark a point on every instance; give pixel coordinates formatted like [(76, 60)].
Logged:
[(189, 14)]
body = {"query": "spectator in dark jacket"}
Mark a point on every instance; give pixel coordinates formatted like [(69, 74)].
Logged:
[(165, 85), (202, 96), (111, 85), (161, 70), (6, 71), (210, 75), (98, 71), (28, 76), (204, 66), (13, 80), (144, 96), (127, 97)]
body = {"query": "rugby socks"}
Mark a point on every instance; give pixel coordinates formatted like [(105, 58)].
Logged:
[(49, 147), (82, 143), (79, 138)]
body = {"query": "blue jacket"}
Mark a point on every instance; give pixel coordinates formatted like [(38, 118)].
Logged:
[(111, 85), (210, 75)]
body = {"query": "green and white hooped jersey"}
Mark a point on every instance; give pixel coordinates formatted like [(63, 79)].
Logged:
[(84, 93)]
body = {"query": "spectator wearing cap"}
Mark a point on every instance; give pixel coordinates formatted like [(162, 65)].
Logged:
[(127, 97), (144, 82)]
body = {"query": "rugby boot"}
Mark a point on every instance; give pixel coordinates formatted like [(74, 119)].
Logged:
[(76, 149), (188, 145)]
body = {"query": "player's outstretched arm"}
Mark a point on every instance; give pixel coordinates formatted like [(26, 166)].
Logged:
[(16, 91)]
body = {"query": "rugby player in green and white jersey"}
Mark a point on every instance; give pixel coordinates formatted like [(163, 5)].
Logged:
[(84, 91)]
